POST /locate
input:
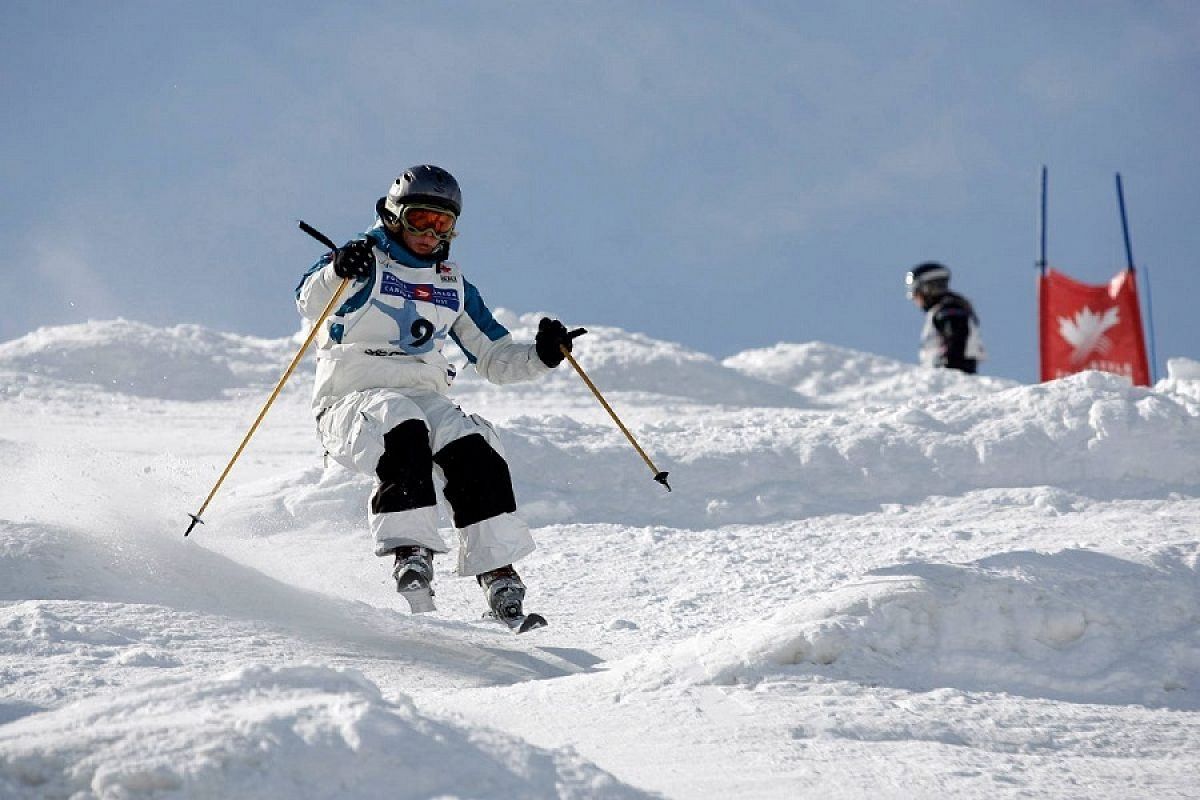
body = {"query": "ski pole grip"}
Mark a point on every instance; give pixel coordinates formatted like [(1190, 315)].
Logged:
[(316, 234)]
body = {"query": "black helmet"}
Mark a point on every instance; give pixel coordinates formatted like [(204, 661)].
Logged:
[(929, 279), (425, 184)]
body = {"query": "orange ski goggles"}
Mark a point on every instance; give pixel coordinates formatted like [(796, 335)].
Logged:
[(419, 220)]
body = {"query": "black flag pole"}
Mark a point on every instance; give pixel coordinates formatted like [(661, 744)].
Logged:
[(1145, 278), (1124, 224), (1041, 262)]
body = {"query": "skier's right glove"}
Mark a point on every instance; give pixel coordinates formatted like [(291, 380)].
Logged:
[(552, 338), (355, 259)]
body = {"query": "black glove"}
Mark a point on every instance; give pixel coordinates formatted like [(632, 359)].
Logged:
[(355, 259), (552, 336)]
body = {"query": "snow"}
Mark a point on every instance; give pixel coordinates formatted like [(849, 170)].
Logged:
[(870, 578)]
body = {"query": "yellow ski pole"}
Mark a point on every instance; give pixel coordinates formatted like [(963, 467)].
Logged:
[(325, 240), (659, 476)]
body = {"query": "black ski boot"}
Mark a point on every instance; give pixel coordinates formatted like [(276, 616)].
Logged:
[(414, 577), (505, 595), (505, 592)]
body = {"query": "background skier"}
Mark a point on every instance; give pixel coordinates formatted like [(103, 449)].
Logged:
[(381, 385), (950, 337)]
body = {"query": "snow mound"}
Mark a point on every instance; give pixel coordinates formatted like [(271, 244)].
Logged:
[(1183, 369), (838, 376), (332, 495), (184, 362), (190, 362), (1183, 378), (1089, 433), (261, 732), (1074, 625), (619, 361), (139, 598)]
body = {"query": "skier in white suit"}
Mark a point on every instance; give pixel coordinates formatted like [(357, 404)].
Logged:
[(381, 385)]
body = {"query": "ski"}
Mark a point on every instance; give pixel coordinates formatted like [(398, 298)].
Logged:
[(420, 600), (522, 623), (413, 575)]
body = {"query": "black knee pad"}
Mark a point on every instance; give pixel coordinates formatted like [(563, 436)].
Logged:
[(478, 484), (405, 469)]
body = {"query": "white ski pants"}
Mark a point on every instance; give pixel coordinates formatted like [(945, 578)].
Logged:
[(402, 438)]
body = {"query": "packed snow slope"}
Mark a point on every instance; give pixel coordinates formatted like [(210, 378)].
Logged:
[(869, 578)]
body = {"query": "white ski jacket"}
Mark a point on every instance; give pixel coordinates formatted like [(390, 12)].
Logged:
[(390, 328)]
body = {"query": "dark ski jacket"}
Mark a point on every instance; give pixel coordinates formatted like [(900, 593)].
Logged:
[(951, 337)]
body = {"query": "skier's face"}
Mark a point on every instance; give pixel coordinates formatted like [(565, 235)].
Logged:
[(422, 228), (422, 244)]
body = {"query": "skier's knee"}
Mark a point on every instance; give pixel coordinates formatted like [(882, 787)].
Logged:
[(405, 469), (478, 483)]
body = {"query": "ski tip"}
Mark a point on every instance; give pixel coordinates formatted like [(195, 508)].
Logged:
[(522, 624), (420, 601)]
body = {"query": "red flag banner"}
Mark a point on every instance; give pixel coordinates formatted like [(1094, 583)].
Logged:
[(1083, 326)]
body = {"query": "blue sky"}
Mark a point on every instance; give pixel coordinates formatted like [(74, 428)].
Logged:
[(725, 175)]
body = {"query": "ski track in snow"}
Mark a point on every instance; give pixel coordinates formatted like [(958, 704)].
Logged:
[(870, 578)]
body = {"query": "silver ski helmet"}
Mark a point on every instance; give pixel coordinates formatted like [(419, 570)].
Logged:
[(929, 279), (424, 184)]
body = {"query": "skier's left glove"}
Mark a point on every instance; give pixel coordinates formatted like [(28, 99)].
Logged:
[(552, 338)]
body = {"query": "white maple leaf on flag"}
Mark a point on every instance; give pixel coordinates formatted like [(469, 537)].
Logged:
[(1085, 332)]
